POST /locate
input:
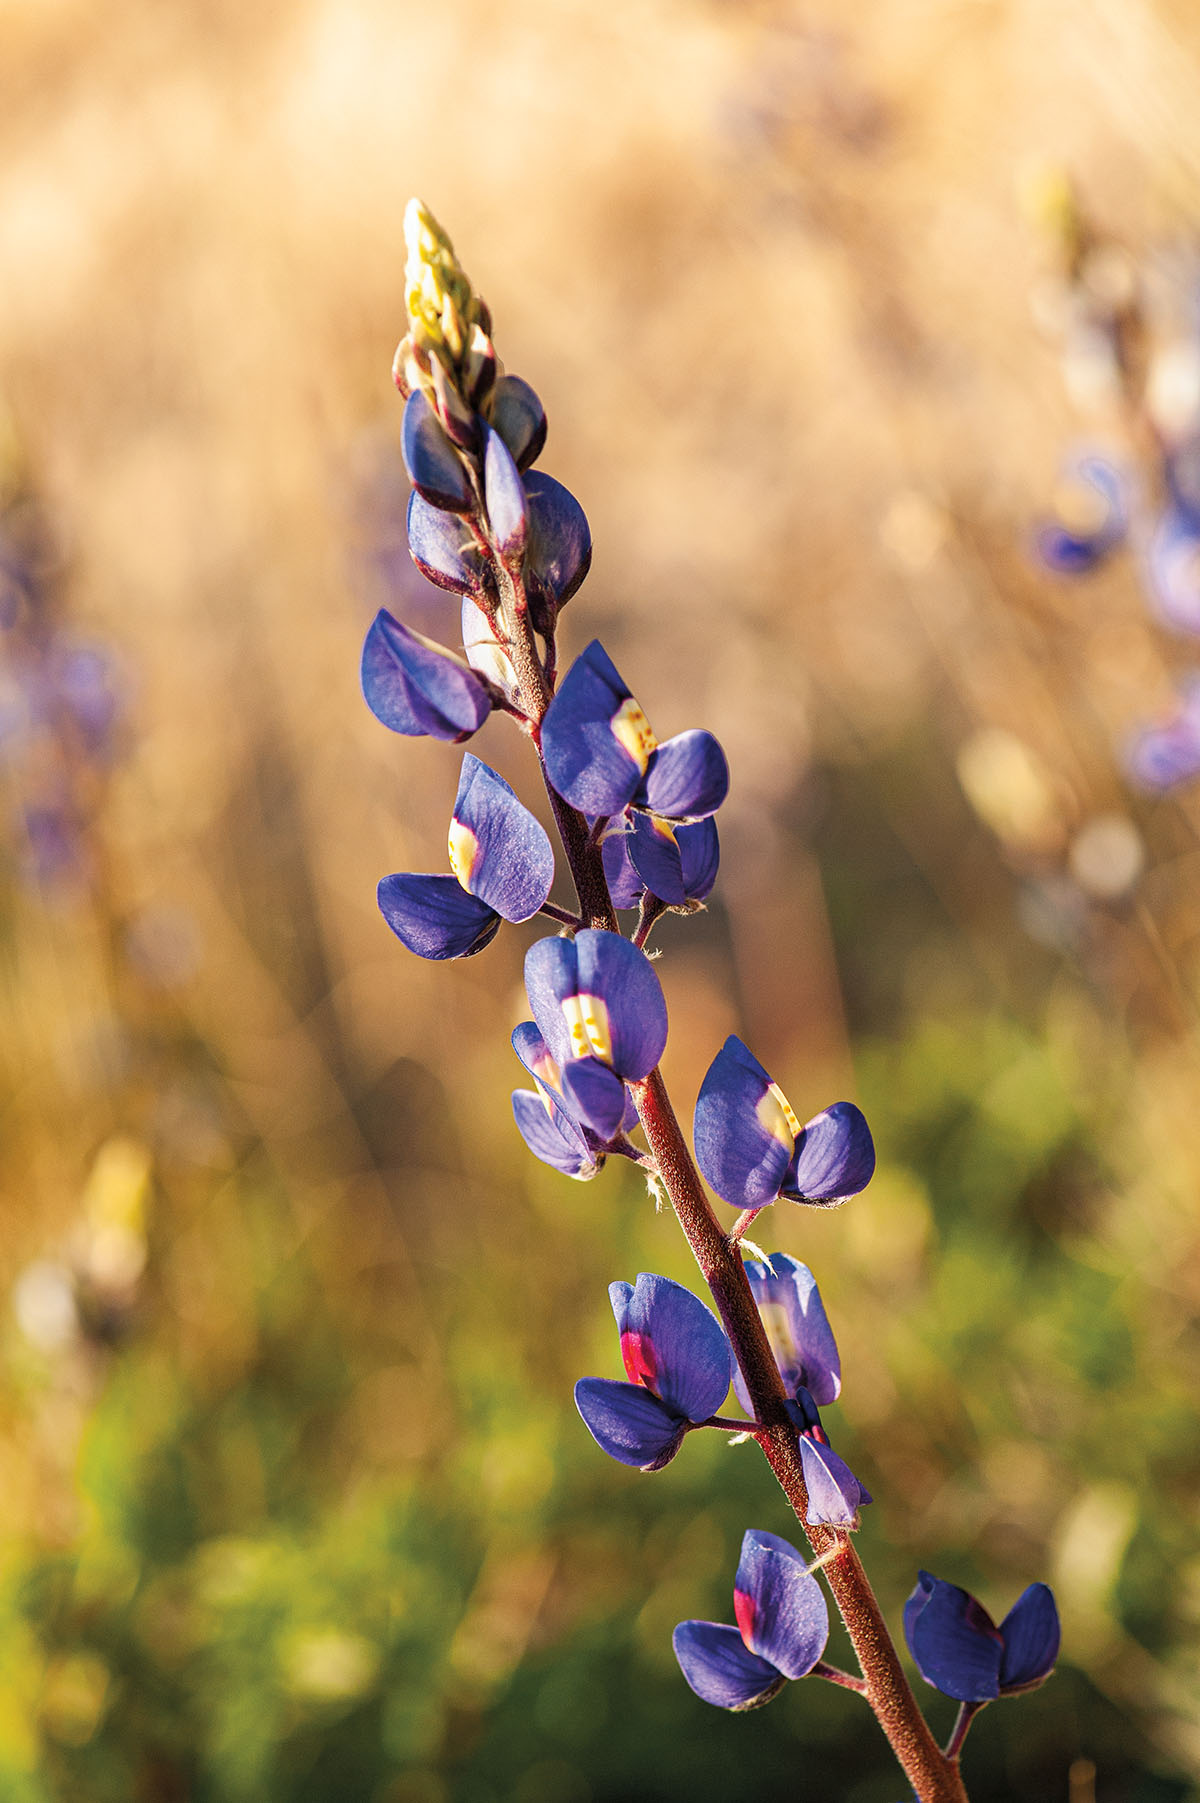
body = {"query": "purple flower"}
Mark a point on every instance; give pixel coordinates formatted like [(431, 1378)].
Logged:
[(1173, 569), (602, 756), (547, 1122), (679, 1365), (752, 1149), (797, 1328), (676, 863), (835, 1495), (518, 416), (599, 1007), (782, 1627), (434, 466), (503, 868), (418, 687), (445, 549), (960, 1651), (1091, 517), (1162, 756)]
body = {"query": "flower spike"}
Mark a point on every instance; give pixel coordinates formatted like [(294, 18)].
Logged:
[(783, 1625)]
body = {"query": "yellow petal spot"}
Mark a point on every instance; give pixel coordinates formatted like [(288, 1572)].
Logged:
[(663, 828), (779, 1333), (464, 851), (777, 1119), (588, 1024), (633, 731)]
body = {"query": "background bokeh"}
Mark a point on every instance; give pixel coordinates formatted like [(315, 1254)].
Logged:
[(295, 1504)]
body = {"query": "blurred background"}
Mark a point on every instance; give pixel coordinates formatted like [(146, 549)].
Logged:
[(296, 1504)]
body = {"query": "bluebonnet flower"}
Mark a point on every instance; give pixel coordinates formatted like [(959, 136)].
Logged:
[(752, 1149), (417, 687), (806, 1353), (503, 868), (782, 1628), (599, 1007), (546, 1120), (1173, 568), (679, 1365), (676, 863), (1161, 756), (602, 756), (1091, 517), (960, 1651)]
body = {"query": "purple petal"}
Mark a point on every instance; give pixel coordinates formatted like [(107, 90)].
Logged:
[(629, 1423), (779, 1605), (1095, 518), (673, 1345), (714, 1660), (742, 1134), (688, 778), (433, 464), (518, 416), (834, 1157), (1173, 568), (1031, 1635), (1168, 753), (834, 1493), (414, 686), (552, 1137), (559, 552), (435, 917), (595, 1095), (595, 738), (597, 995), (956, 1645), (444, 549), (504, 497), (535, 1055), (498, 851), (700, 854), (797, 1327), (625, 886), (655, 856)]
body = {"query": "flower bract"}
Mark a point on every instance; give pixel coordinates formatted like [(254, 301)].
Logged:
[(782, 1628), (679, 1365), (752, 1149), (960, 1651)]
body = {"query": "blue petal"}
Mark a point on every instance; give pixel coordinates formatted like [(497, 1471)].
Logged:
[(417, 687), (655, 856), (444, 549), (834, 1493), (559, 552), (700, 854), (506, 856), (714, 1660), (797, 1327), (674, 1344), (688, 778), (1164, 755), (504, 497), (552, 1138), (743, 1143), (518, 416), (433, 464), (629, 1423), (834, 1157), (435, 917), (625, 886), (1095, 498), (632, 1017), (954, 1641), (780, 1608), (1173, 568), (1031, 1635), (535, 1055), (595, 1095), (589, 765)]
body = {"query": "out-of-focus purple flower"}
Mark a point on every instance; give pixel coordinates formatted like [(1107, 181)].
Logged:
[(503, 868), (1173, 569), (676, 863), (679, 1365), (752, 1149), (1090, 520), (417, 687), (602, 756), (782, 1628), (599, 1006), (1162, 756), (960, 1651)]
